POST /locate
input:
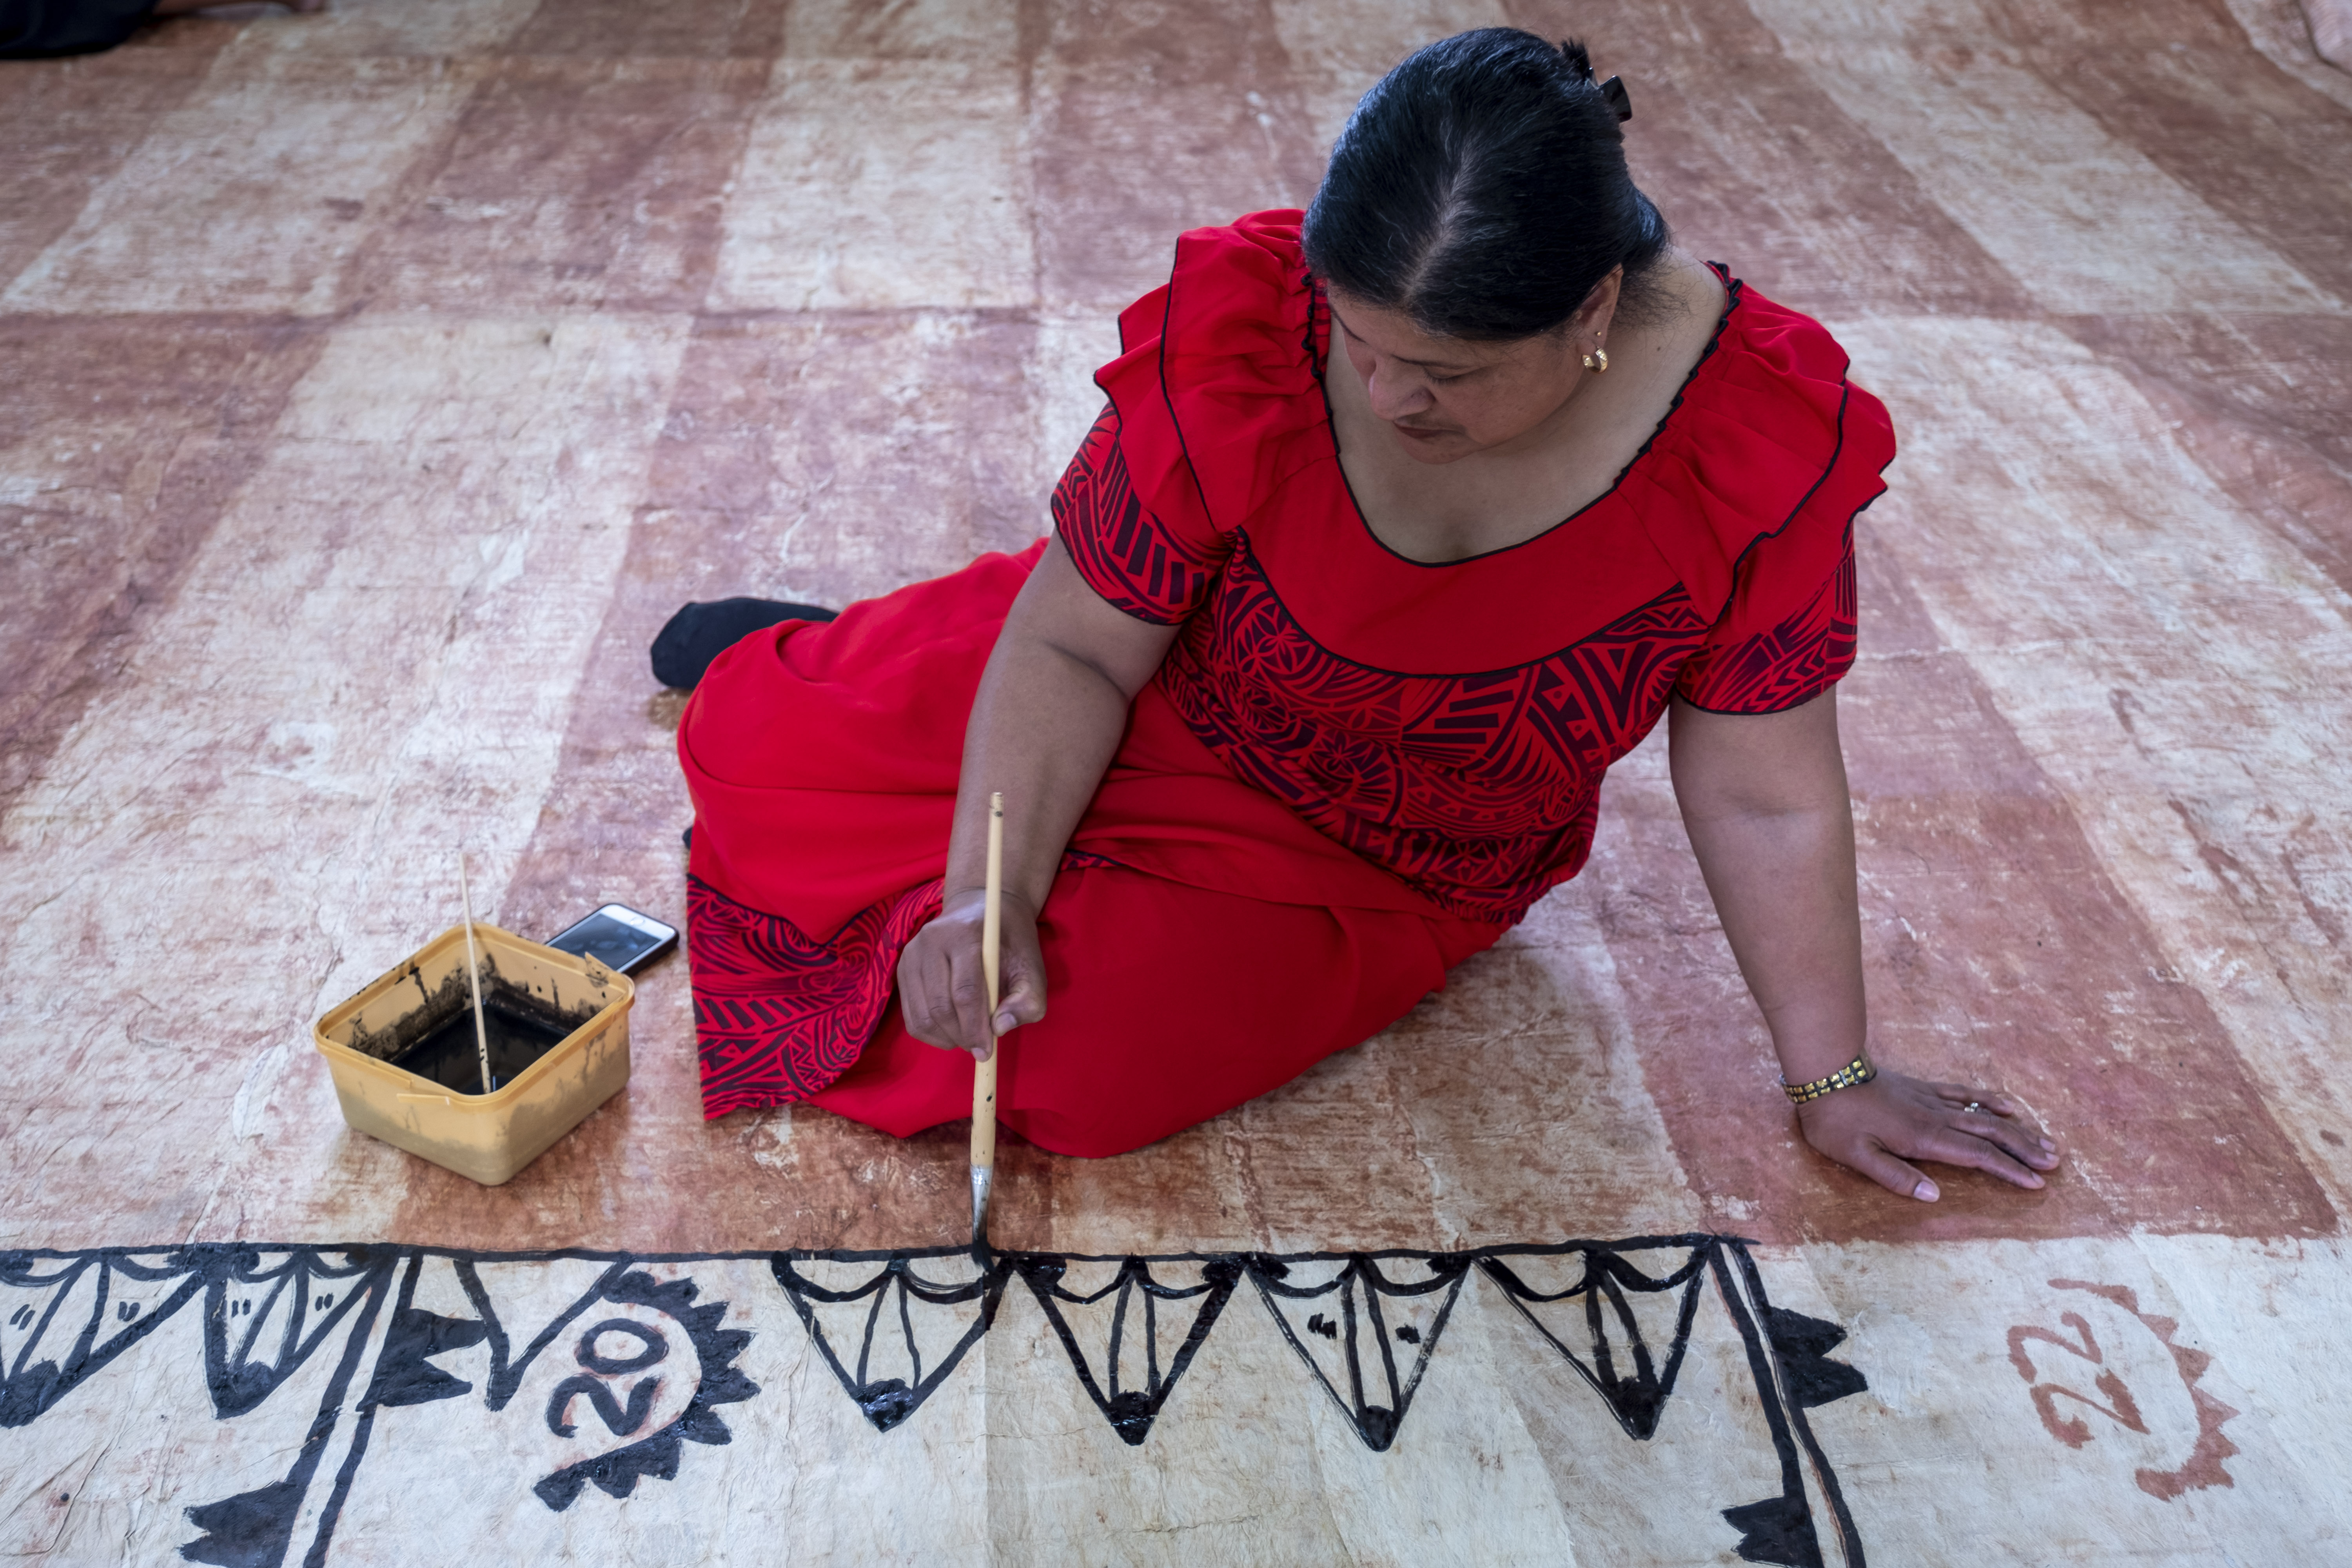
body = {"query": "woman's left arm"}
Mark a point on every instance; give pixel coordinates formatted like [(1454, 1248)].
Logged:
[(1764, 799)]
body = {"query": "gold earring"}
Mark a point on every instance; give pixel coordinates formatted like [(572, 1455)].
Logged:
[(1597, 362)]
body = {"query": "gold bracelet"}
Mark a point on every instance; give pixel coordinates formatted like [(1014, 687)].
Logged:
[(1853, 1072)]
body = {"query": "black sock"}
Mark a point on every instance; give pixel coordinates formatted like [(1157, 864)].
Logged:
[(700, 633)]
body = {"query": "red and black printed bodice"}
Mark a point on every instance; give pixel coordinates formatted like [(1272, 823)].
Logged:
[(1451, 722)]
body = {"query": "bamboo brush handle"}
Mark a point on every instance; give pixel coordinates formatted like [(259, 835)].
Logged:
[(984, 1076), (474, 975)]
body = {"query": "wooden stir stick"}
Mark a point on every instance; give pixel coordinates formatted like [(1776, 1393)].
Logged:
[(474, 973), (983, 1074)]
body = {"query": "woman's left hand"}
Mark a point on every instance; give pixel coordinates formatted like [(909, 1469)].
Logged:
[(1875, 1127)]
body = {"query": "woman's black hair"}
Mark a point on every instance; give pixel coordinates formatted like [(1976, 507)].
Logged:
[(1481, 189)]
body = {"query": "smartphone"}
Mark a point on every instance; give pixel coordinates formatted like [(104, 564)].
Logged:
[(617, 937)]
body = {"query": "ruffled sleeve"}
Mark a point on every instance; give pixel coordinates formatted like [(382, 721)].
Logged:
[(1135, 559), (1787, 634), (1751, 493), (1214, 403), (1215, 385)]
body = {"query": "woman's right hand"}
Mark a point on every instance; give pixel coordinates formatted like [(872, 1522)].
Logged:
[(943, 992)]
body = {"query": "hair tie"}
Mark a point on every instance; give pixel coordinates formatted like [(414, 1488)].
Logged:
[(1614, 93)]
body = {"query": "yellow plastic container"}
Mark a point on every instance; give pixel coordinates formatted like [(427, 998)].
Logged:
[(488, 1137)]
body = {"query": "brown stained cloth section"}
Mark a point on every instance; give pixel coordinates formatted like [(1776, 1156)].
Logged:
[(673, 29), (2264, 402), (66, 125), (1153, 119), (134, 432), (1999, 953), (1603, 1070), (621, 212), (1755, 167), (2254, 144)]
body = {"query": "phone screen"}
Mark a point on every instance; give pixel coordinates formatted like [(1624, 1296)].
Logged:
[(617, 937)]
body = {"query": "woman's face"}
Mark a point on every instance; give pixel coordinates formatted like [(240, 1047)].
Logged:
[(1446, 398)]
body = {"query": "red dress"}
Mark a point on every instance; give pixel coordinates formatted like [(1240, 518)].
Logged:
[(1353, 770)]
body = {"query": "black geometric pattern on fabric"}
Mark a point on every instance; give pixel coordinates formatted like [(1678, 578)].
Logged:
[(779, 1015), (255, 1529), (251, 1529), (1785, 667), (1113, 541), (892, 1327), (91, 1310), (262, 1320), (1135, 1318), (1479, 789), (616, 1474), (893, 1289), (1637, 1397), (1358, 1326), (1803, 1345), (1779, 1530)]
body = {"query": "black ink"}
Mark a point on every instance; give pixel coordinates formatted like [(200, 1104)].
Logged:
[(1131, 1411), (1361, 1287), (31, 1382), (718, 1383), (243, 1369), (250, 1530), (888, 1401), (520, 1029), (621, 1421), (653, 1348), (268, 1309), (1803, 1344), (1779, 1530), (1839, 1515), (404, 1374), (1638, 1400), (260, 1523), (505, 1375)]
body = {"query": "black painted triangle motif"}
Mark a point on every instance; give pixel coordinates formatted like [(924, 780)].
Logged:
[(1142, 1332), (62, 1320), (1603, 1310), (1803, 1344), (405, 1373), (1778, 1531), (1366, 1338), (266, 1312), (892, 1334)]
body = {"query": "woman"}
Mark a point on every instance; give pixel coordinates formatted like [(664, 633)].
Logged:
[(1402, 524)]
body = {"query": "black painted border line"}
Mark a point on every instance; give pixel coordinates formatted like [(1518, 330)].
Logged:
[(1779, 1529)]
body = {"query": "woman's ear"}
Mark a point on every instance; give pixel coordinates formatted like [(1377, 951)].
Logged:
[(1599, 308)]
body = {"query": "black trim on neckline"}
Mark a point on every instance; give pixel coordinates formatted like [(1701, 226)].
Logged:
[(1734, 290), (1242, 539)]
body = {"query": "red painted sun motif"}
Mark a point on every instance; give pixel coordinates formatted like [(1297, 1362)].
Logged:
[(2203, 1466)]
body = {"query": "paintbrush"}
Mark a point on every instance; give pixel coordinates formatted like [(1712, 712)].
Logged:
[(474, 973), (983, 1073)]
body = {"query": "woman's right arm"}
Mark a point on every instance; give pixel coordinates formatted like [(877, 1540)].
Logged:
[(1051, 707)]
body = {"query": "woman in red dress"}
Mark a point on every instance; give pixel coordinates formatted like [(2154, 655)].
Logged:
[(1406, 518)]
